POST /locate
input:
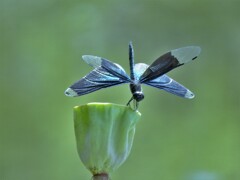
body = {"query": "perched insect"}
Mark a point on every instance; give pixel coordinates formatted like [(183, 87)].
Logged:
[(107, 74)]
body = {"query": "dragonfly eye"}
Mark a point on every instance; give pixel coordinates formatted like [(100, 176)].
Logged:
[(138, 96)]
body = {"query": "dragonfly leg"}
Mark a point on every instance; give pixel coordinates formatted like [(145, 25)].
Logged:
[(129, 101), (135, 104)]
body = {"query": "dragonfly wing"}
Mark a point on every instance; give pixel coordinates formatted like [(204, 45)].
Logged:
[(169, 61), (139, 69), (166, 83), (113, 68), (97, 79)]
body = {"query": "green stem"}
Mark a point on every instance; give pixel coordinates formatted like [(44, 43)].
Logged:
[(102, 176)]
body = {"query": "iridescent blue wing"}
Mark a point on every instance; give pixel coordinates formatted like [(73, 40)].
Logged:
[(169, 61), (139, 69), (105, 74), (164, 82), (112, 68)]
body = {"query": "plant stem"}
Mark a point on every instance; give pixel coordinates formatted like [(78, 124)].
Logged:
[(102, 176)]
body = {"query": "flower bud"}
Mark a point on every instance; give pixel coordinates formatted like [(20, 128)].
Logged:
[(104, 134)]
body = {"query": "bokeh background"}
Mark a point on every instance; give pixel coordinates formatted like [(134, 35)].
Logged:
[(177, 139)]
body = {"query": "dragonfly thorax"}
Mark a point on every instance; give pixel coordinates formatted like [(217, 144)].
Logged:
[(136, 90)]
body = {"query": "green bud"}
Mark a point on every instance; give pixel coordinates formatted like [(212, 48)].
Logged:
[(104, 134)]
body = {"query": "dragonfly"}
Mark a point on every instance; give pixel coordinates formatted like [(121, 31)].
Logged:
[(107, 74)]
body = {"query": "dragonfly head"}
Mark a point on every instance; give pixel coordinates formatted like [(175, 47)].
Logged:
[(138, 96)]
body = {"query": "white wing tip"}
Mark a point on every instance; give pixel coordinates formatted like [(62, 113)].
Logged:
[(186, 54), (89, 56), (197, 49), (70, 92), (189, 95), (86, 57), (93, 61)]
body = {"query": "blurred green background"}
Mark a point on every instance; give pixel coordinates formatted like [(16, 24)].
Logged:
[(177, 139)]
